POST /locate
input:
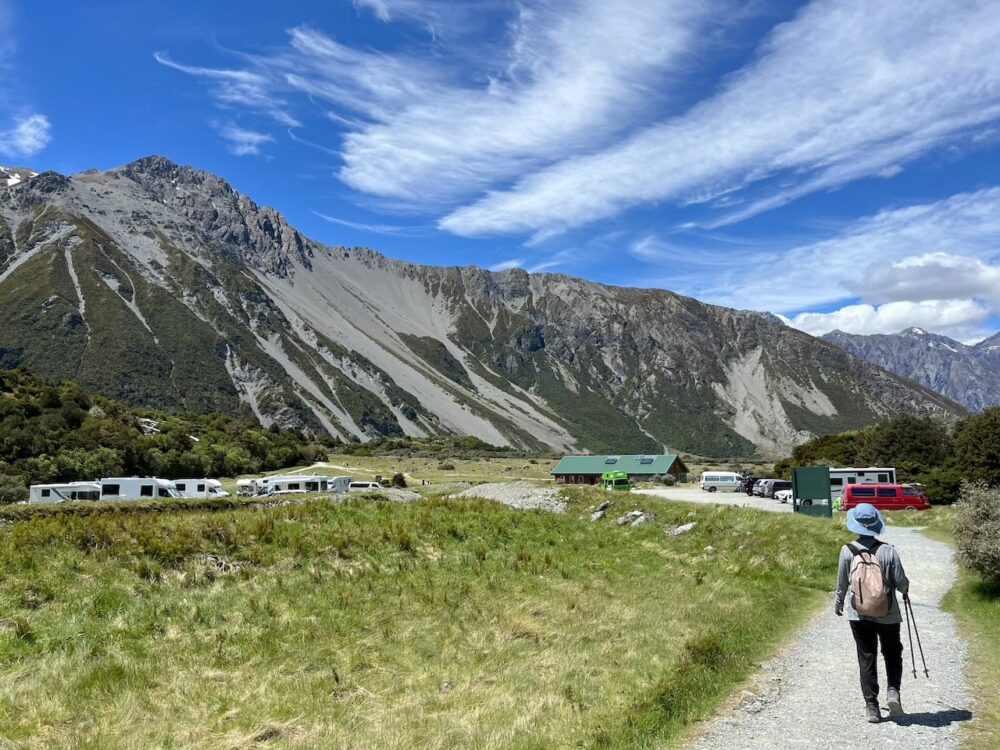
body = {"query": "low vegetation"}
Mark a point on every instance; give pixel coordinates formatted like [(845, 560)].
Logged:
[(375, 625), (58, 432), (924, 450)]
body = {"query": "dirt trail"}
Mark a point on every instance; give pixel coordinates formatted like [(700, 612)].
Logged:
[(809, 697)]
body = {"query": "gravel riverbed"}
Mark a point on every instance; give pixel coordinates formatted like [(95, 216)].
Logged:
[(519, 495)]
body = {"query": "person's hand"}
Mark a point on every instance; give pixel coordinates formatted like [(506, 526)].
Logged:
[(839, 611), (906, 596)]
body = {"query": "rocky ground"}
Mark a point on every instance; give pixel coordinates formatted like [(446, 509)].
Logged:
[(519, 495)]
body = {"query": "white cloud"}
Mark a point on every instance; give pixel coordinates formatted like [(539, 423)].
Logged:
[(961, 319), (26, 137), (852, 263), (387, 229), (243, 142), (509, 263), (436, 128), (847, 89), (934, 276)]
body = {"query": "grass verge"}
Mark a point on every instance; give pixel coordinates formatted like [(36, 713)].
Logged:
[(374, 625)]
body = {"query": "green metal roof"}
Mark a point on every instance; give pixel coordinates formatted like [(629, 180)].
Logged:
[(642, 464)]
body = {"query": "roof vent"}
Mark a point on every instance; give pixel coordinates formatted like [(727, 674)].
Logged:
[(611, 460)]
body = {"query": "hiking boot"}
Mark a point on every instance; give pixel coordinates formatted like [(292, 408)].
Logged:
[(873, 712), (895, 707)]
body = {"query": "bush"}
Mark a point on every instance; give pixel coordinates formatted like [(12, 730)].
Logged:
[(669, 480), (943, 486), (977, 529), (12, 489), (398, 480), (446, 467), (977, 444)]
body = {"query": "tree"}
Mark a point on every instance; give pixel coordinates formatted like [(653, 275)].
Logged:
[(977, 447), (911, 444), (398, 480), (12, 489)]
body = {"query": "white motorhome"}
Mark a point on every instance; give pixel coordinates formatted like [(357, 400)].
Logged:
[(246, 487), (292, 484), (840, 478), (64, 493), (720, 481), (200, 488), (339, 484), (137, 488)]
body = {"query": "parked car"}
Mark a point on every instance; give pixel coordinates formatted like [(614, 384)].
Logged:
[(783, 496), (747, 484), (723, 481), (765, 486), (364, 486), (776, 485), (885, 497), (758, 487)]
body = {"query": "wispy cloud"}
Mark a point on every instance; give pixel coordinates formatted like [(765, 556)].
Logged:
[(845, 90), (238, 88), (243, 142), (386, 229), (506, 264), (427, 131)]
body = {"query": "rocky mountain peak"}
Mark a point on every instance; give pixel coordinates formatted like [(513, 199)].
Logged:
[(11, 176)]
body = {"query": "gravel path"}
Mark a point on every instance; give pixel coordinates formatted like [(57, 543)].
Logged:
[(519, 495), (809, 697), (694, 494)]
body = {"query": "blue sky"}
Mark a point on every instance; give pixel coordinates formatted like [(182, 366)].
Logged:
[(834, 161)]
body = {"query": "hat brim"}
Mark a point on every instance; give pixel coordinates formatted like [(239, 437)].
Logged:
[(859, 528)]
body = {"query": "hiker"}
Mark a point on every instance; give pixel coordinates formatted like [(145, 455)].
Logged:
[(869, 576)]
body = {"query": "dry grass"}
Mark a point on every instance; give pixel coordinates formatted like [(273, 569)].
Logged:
[(439, 624)]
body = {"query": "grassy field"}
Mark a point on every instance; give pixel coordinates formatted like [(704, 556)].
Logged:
[(437, 624)]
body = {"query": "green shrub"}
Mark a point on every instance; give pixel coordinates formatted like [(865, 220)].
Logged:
[(12, 489), (446, 467), (977, 529), (943, 486), (977, 444), (398, 480), (669, 480)]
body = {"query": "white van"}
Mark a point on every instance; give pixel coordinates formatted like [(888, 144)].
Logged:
[(64, 493), (721, 481), (364, 487), (137, 488), (200, 488), (340, 484)]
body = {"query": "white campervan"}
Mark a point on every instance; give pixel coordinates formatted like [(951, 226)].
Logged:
[(137, 488), (841, 478), (293, 484), (364, 486), (246, 487), (200, 488), (64, 493), (720, 481), (339, 484)]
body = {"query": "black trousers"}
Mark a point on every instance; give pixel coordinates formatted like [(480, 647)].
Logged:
[(867, 635)]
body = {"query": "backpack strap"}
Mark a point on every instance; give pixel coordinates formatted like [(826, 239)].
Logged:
[(857, 549)]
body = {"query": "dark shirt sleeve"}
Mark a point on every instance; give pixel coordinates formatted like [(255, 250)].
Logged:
[(843, 579)]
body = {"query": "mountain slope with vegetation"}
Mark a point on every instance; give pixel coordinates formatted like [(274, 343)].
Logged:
[(162, 286), (53, 432)]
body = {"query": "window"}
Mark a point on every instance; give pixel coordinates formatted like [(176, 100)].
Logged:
[(909, 492), (181, 487), (46, 493), (611, 460), (293, 486), (883, 478), (711, 478), (110, 490), (201, 488), (146, 490), (887, 492), (312, 486), (162, 492), (852, 480), (644, 460), (864, 492), (836, 481)]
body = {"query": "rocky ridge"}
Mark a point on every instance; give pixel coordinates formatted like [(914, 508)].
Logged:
[(159, 284)]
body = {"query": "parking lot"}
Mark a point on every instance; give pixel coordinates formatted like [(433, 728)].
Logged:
[(694, 494)]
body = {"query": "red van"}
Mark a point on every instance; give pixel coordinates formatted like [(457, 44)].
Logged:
[(885, 497)]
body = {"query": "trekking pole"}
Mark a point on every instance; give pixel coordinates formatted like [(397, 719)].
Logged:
[(909, 633), (915, 630)]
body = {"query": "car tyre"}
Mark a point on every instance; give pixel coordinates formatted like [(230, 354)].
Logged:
[(712, 489), (807, 502)]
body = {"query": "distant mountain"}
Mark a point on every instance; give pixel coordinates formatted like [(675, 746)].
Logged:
[(969, 375), (161, 285)]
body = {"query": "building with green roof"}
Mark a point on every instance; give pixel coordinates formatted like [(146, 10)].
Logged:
[(588, 469)]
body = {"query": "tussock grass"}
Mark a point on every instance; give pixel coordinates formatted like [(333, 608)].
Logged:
[(436, 624)]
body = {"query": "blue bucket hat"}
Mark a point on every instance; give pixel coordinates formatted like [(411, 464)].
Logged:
[(864, 519)]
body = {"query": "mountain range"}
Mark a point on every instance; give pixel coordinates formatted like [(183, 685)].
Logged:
[(161, 285), (969, 375)]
